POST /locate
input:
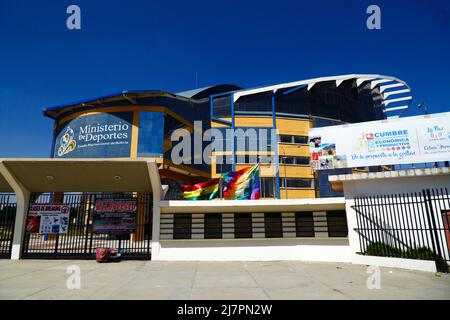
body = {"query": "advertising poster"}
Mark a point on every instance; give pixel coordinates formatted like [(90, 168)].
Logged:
[(48, 218), (102, 135), (388, 142), (114, 216)]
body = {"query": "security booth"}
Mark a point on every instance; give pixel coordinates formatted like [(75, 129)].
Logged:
[(67, 208)]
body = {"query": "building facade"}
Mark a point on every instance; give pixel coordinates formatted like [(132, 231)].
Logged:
[(140, 124)]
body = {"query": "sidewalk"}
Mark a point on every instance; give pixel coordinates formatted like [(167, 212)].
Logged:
[(46, 279)]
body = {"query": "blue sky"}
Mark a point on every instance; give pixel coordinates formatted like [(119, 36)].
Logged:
[(163, 44)]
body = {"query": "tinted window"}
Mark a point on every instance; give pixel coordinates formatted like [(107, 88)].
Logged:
[(182, 226), (213, 226), (304, 224), (242, 225), (337, 224), (272, 225)]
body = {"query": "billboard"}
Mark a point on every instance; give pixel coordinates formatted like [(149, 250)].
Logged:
[(114, 216), (387, 142), (48, 218), (104, 135)]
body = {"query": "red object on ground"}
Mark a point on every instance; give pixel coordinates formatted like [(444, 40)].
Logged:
[(101, 254)]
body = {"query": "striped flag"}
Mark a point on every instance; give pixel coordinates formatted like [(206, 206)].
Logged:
[(243, 184), (207, 190)]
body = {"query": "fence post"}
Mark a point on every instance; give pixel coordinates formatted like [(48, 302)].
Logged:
[(432, 223)]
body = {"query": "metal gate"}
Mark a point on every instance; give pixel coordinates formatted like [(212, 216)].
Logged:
[(80, 242), (413, 226), (7, 219)]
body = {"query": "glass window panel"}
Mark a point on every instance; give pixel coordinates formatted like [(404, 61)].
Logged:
[(151, 134)]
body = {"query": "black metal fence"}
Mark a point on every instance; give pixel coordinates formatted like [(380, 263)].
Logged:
[(7, 218), (80, 241), (408, 225)]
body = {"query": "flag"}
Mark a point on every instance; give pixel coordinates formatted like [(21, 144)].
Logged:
[(243, 184), (207, 190)]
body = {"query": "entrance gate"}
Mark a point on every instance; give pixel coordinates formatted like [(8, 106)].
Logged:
[(80, 242), (7, 218)]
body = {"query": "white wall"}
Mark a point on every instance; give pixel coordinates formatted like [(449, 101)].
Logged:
[(331, 249), (389, 186)]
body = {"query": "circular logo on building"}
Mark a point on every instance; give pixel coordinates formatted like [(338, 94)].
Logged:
[(67, 142)]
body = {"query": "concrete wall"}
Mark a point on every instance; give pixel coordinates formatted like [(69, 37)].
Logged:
[(366, 187), (332, 249)]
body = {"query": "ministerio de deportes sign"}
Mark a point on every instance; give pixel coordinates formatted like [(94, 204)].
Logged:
[(387, 142), (102, 135)]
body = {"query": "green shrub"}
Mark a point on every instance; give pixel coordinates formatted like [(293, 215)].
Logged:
[(383, 250), (422, 253)]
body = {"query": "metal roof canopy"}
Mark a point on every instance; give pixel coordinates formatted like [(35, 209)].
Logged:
[(79, 175)]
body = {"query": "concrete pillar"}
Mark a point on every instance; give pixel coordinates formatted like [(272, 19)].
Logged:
[(353, 238), (157, 193), (23, 200)]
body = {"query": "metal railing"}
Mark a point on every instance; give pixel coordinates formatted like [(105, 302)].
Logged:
[(408, 225), (8, 207)]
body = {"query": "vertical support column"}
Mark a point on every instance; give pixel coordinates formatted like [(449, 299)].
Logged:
[(275, 141), (157, 192), (353, 237), (134, 135), (233, 151), (23, 201)]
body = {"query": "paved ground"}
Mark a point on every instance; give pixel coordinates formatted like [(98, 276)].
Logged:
[(46, 279)]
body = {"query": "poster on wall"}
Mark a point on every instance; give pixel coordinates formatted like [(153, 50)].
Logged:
[(103, 135), (48, 218), (387, 142), (116, 216)]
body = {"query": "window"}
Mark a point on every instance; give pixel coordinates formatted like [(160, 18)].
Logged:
[(222, 106), (253, 159), (297, 183), (224, 163), (260, 102), (267, 187), (295, 160), (293, 139), (304, 224), (213, 226), (300, 139), (272, 225), (182, 226), (151, 134), (337, 223), (242, 225)]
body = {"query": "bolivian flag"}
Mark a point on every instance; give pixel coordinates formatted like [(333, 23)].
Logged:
[(207, 190)]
